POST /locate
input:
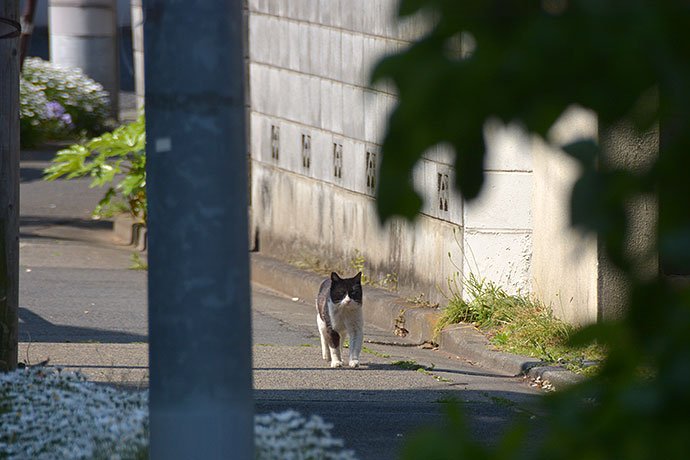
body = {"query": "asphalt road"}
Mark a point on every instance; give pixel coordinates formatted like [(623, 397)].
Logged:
[(83, 308)]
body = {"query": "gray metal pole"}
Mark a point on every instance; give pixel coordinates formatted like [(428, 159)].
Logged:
[(9, 185), (201, 398)]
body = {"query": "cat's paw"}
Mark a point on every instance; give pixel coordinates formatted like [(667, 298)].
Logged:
[(336, 364), (354, 363)]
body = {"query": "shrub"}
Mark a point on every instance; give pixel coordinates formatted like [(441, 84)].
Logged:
[(103, 158), (58, 103)]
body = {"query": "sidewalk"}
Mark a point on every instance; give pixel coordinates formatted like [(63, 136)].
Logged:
[(389, 312)]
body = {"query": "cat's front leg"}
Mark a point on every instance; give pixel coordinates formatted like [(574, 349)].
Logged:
[(336, 357), (323, 333), (356, 340), (335, 346)]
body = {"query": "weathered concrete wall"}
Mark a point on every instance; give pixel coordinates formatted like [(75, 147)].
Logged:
[(571, 271), (625, 149), (316, 127), (565, 261)]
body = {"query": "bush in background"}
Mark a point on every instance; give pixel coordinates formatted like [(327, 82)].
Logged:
[(59, 103)]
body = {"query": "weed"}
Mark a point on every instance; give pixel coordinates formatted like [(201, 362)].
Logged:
[(501, 401), (426, 370), (376, 353), (313, 264), (409, 365), (137, 262), (420, 302), (358, 263), (305, 345)]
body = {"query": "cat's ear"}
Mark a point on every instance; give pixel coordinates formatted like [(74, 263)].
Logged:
[(334, 277), (358, 277)]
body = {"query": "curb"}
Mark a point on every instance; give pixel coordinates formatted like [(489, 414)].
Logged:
[(130, 231), (387, 311)]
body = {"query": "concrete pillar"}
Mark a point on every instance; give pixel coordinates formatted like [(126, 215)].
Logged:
[(625, 149), (83, 33), (565, 265), (572, 273), (138, 50)]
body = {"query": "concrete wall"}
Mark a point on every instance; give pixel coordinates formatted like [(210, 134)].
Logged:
[(316, 127), (565, 261)]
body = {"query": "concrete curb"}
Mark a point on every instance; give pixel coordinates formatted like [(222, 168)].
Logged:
[(387, 311), (130, 231)]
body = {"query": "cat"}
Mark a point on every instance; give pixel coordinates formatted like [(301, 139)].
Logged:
[(339, 313)]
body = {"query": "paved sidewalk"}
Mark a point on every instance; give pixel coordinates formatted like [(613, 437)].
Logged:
[(389, 312)]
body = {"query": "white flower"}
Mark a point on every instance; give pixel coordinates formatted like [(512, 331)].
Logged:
[(46, 414)]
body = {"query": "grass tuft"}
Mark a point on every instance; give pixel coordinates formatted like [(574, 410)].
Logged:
[(517, 324)]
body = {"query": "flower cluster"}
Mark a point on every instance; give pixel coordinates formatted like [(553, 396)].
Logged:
[(56, 100), (49, 414), (290, 436), (46, 414)]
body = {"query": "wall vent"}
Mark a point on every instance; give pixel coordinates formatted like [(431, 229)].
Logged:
[(275, 142), (306, 151), (443, 192), (338, 160), (371, 172)]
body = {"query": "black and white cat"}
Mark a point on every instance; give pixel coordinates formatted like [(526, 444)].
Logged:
[(339, 313)]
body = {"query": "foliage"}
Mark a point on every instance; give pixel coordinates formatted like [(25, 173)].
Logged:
[(58, 103), (105, 157), (629, 62)]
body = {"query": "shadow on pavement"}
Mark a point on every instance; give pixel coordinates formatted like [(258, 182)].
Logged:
[(34, 328), (393, 415), (50, 221), (30, 174)]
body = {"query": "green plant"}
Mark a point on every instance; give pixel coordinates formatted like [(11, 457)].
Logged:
[(358, 263), (137, 262), (104, 158), (515, 323), (409, 365), (376, 353)]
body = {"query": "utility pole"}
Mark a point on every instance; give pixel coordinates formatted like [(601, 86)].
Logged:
[(201, 398), (9, 184)]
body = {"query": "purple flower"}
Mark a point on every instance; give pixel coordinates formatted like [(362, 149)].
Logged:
[(66, 120), (54, 110)]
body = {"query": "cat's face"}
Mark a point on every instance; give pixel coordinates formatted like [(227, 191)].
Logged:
[(344, 288)]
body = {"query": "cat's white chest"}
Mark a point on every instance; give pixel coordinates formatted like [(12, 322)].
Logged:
[(345, 316)]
